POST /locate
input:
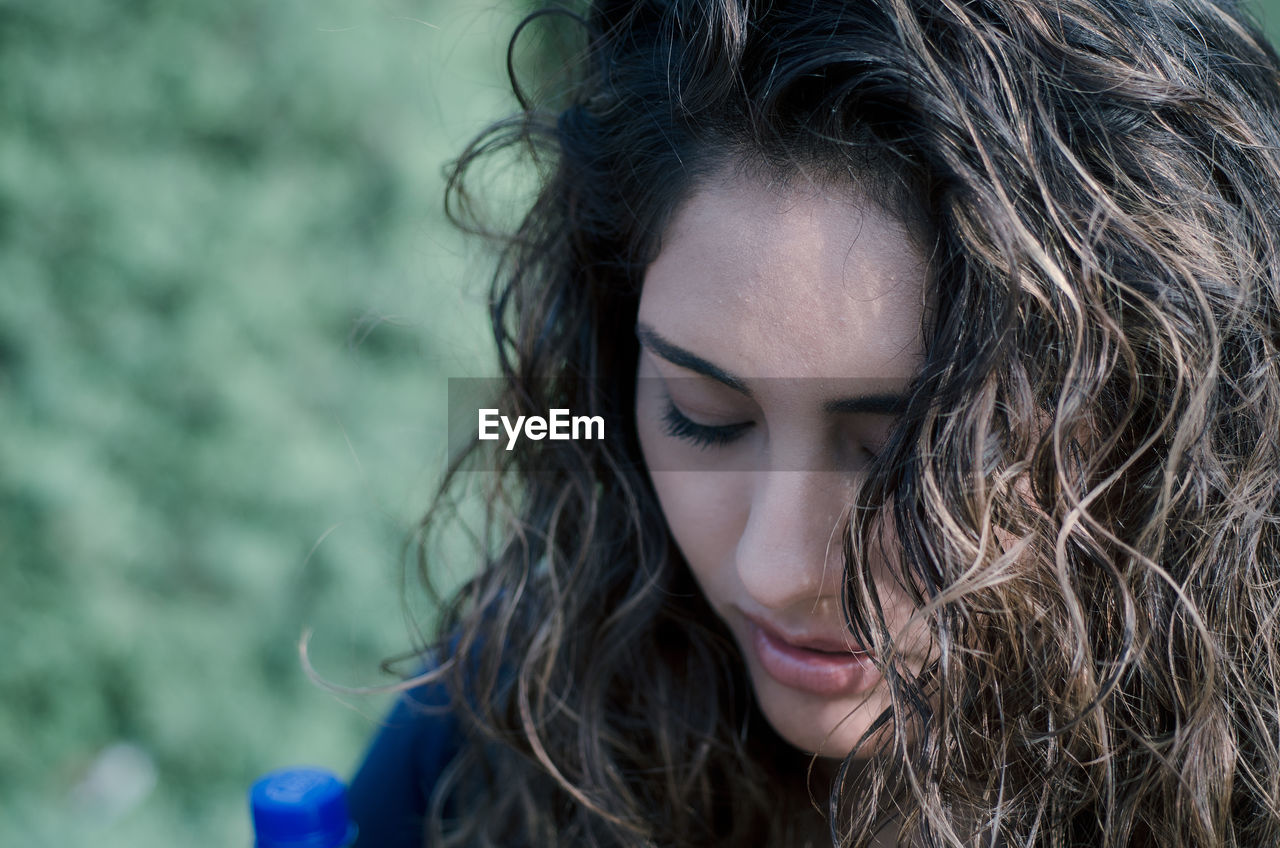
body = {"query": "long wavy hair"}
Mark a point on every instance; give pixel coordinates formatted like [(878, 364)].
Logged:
[(1083, 489)]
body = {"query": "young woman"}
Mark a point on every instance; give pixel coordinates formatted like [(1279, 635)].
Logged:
[(938, 346)]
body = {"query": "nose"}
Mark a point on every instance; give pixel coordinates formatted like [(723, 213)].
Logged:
[(790, 552)]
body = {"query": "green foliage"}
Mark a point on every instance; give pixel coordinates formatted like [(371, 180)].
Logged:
[(229, 302)]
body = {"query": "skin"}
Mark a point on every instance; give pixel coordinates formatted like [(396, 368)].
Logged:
[(800, 295)]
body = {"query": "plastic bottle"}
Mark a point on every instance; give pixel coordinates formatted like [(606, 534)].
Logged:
[(300, 808)]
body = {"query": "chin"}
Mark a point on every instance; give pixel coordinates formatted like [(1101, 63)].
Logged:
[(828, 727)]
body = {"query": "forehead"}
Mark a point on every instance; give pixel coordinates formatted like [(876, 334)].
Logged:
[(794, 280)]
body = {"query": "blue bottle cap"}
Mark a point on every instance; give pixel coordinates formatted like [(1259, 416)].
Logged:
[(300, 808)]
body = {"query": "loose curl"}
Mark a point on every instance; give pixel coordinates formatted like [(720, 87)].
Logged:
[(1083, 491)]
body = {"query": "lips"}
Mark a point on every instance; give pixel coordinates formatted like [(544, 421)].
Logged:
[(817, 665)]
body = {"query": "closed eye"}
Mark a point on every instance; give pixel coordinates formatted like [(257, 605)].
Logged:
[(680, 426)]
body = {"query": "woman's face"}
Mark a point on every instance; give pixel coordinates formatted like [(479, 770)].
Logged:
[(776, 325)]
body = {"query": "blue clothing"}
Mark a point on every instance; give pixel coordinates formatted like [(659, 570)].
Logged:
[(389, 794)]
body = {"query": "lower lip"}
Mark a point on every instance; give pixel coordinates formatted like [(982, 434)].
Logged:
[(816, 672)]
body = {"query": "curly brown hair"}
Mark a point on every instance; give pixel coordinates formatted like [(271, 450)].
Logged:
[(1084, 485)]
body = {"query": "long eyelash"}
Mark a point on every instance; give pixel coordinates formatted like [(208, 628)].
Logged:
[(702, 435)]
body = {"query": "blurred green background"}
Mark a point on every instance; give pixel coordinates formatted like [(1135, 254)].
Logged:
[(229, 303)]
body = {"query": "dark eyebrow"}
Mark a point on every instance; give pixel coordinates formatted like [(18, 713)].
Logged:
[(882, 403), (682, 358)]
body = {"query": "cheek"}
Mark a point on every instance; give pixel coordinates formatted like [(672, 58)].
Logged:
[(705, 510), (908, 627), (706, 523)]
